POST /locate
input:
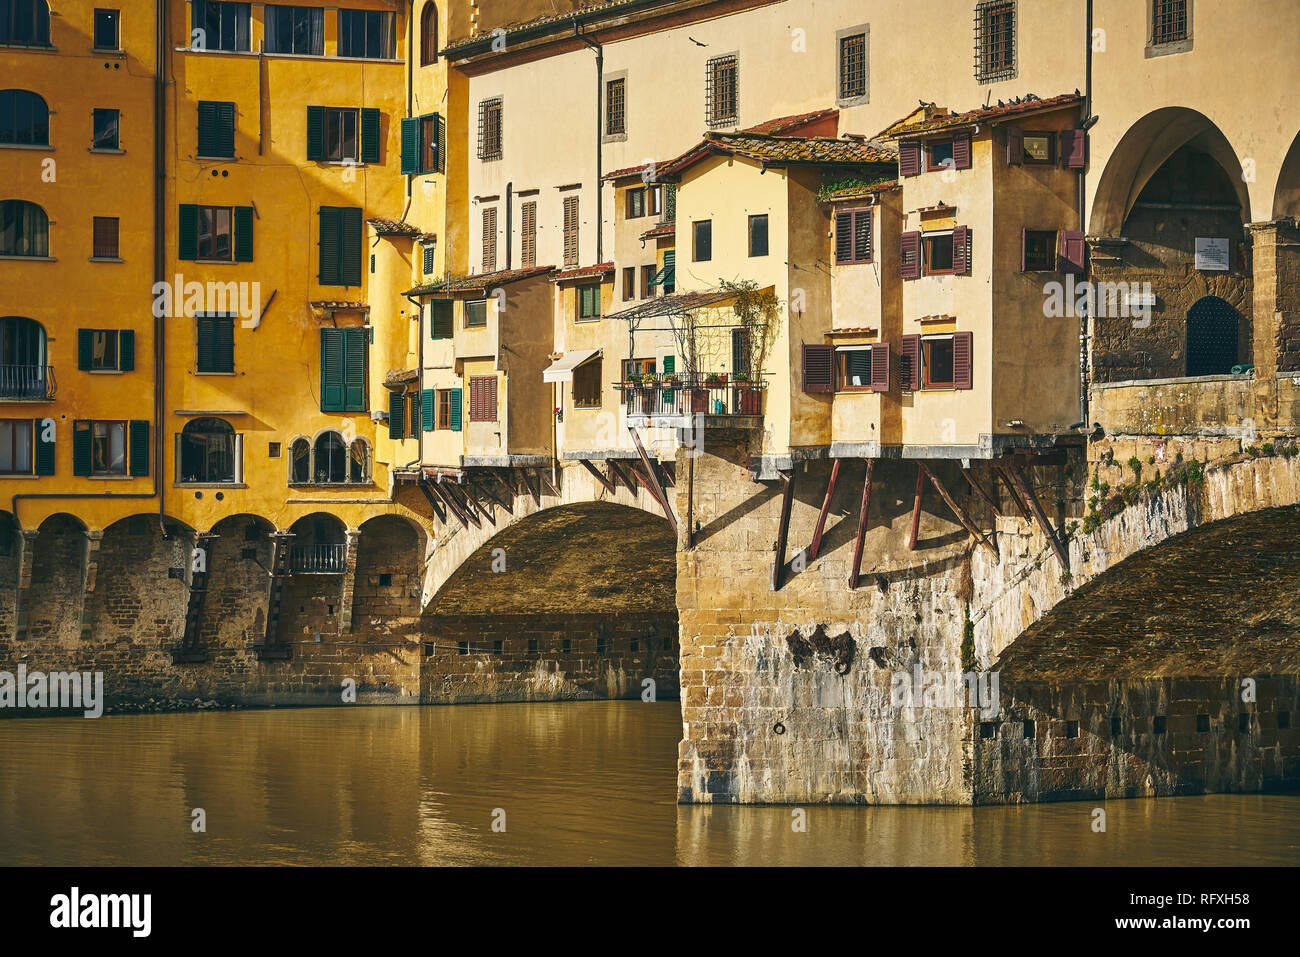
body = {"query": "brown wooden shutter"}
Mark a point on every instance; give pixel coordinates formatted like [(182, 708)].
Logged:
[(961, 251), (880, 367), (1015, 146), (909, 158), (909, 256), (528, 241), (818, 369), (961, 359), (961, 150), (1073, 148), (571, 231), (1024, 252), (1070, 251), (844, 237), (862, 236), (909, 370)]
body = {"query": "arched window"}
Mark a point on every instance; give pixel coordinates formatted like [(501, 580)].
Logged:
[(207, 452), (429, 34), (24, 118), (300, 462), (24, 229), (359, 462), (330, 459), (1211, 337), (22, 359), (25, 22)]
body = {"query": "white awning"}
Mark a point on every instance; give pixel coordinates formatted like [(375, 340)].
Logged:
[(561, 370)]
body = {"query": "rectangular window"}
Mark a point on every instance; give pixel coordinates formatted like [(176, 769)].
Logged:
[(366, 33), (104, 239), (571, 231), (476, 313), (938, 155), (216, 136), (938, 253), (995, 40), (105, 130), (107, 448), (219, 26), (444, 408), (588, 302), (215, 344), (702, 240), (854, 369), (341, 252), (669, 277), (853, 236), (107, 33), (634, 369), (295, 30), (427, 251), (15, 446), (216, 233), (647, 280), (483, 398), (103, 349), (1040, 250), (853, 66), (440, 319), (587, 385), (636, 203), (341, 140), (344, 358), (654, 199), (490, 239), (758, 235), (528, 235), (629, 283), (615, 107), (722, 90), (1168, 21), (431, 137), (937, 364), (489, 129)]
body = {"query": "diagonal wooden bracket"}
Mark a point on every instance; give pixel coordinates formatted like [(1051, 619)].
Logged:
[(816, 545), (468, 490), (487, 489), (435, 503), (957, 510), (856, 567), (1014, 494), (652, 479), (782, 529), (916, 508), (1027, 492), (608, 485), (451, 503), (988, 499), (544, 481)]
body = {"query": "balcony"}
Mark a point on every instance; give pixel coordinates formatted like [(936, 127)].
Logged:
[(318, 559), (668, 401), (27, 383)]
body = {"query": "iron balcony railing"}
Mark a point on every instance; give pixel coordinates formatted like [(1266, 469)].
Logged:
[(318, 559), (26, 382), (707, 393)]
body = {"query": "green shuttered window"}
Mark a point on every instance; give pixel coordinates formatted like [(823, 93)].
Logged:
[(45, 446), (340, 246), (216, 344), (343, 362), (427, 409), (216, 129), (369, 135), (455, 409), (205, 232), (396, 415), (423, 142)]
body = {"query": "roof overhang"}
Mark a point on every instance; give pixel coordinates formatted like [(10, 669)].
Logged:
[(561, 370)]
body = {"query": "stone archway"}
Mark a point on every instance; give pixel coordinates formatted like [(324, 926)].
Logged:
[(1212, 331), (54, 600)]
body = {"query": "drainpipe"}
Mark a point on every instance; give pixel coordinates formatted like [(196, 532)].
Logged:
[(410, 87), (600, 73), (510, 192), (419, 382), (1087, 322)]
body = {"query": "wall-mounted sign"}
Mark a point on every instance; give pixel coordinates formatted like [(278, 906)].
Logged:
[(1212, 254)]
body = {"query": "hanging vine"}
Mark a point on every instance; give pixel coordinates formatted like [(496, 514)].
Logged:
[(758, 311)]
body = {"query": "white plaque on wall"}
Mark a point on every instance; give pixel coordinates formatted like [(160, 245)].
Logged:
[(1212, 253)]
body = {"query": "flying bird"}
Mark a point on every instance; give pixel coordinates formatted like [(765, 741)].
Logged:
[(696, 42)]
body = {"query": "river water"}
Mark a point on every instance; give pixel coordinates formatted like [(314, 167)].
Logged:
[(572, 783)]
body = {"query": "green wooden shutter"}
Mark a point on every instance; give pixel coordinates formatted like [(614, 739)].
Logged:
[(187, 234), (350, 251), (329, 246), (369, 135), (440, 160), (315, 134), (126, 350), (224, 140), (396, 415), (427, 408), (670, 365), (85, 348), (205, 352), (331, 370), (410, 145), (44, 450), (223, 344), (440, 319), (454, 410), (139, 458), (81, 447), (355, 342), (243, 234), (207, 128)]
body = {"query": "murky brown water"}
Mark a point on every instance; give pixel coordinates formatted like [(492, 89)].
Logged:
[(580, 783)]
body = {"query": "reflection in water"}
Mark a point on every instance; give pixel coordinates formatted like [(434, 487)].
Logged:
[(580, 783)]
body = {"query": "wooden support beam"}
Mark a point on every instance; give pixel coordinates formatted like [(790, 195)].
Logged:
[(666, 477), (654, 487), (957, 510), (455, 491), (1027, 491), (616, 471), (528, 487), (545, 481), (609, 486), (451, 503), (816, 545), (506, 478), (855, 568), (988, 499), (782, 529), (487, 489), (1001, 473), (916, 508), (435, 503), (468, 491)]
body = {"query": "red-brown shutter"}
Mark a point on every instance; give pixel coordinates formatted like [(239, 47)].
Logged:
[(1073, 148), (880, 367), (909, 370), (818, 369), (960, 251), (1070, 251), (909, 157), (862, 236), (1015, 146), (909, 256), (961, 150), (961, 359), (1024, 240), (490, 399), (844, 237)]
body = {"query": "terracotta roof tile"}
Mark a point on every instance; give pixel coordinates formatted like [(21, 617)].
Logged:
[(583, 272), (787, 150), (858, 192), (785, 125), (936, 118), (581, 9), (339, 305), (479, 282), (663, 229), (630, 171), (391, 227)]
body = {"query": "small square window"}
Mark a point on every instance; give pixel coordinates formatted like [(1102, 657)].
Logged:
[(702, 235), (937, 362), (988, 730), (1284, 720), (106, 30), (273, 450), (566, 645), (105, 130), (1202, 723), (476, 313), (1029, 729), (588, 303), (1040, 250), (937, 248), (1071, 729), (532, 644), (385, 580), (1116, 727), (1159, 723), (758, 235), (938, 155)]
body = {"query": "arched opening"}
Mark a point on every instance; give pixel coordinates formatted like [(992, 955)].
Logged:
[(429, 34), (389, 564), (10, 550), (239, 580), (331, 457), (1212, 330), (25, 22), (127, 606), (330, 460), (359, 462), (23, 371), (319, 545), (24, 229), (54, 599), (24, 118), (299, 462), (1286, 195), (207, 452)]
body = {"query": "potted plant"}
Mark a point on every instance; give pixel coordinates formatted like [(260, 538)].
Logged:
[(746, 395)]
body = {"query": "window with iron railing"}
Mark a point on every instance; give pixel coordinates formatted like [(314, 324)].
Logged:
[(722, 90), (615, 107), (489, 129), (995, 40), (853, 66), (1169, 21)]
